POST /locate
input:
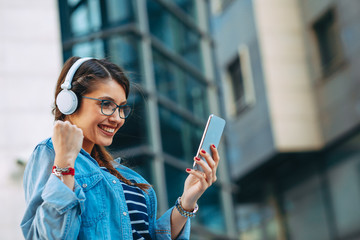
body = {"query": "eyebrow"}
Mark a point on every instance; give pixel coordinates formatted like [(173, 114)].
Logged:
[(113, 100)]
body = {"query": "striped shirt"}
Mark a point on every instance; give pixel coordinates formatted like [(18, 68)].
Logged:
[(136, 204)]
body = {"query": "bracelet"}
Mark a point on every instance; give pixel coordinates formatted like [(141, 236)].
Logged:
[(183, 212), (60, 172)]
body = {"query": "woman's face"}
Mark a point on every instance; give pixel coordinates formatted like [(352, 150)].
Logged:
[(98, 128)]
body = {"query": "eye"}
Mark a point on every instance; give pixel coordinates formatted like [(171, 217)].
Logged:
[(107, 104)]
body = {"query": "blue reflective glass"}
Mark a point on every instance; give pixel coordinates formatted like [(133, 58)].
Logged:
[(174, 34), (85, 18), (124, 51), (119, 12), (174, 182), (305, 211), (211, 215), (93, 48), (166, 77), (188, 6), (180, 86), (179, 137), (343, 177)]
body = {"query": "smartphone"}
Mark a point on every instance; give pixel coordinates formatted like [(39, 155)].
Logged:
[(212, 135)]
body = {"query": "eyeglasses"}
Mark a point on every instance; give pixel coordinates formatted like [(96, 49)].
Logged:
[(108, 108)]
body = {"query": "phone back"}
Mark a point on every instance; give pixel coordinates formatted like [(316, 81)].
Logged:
[(212, 135)]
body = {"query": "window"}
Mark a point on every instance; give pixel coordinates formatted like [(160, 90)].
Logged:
[(188, 6), (344, 185), (219, 6), (328, 40), (83, 17), (344, 181), (305, 211), (90, 48), (237, 81), (174, 34), (180, 138), (179, 86), (124, 50), (240, 92), (118, 12)]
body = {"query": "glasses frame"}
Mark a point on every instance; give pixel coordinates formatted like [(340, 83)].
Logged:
[(117, 106)]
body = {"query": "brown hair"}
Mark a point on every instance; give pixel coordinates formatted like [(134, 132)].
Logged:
[(85, 80)]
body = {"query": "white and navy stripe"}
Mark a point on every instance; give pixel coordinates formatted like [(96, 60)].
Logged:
[(139, 218)]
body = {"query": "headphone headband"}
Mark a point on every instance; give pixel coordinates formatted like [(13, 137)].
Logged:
[(72, 71)]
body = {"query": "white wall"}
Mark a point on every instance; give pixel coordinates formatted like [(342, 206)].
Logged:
[(291, 96), (30, 61)]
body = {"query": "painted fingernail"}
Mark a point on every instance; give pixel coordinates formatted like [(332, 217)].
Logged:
[(213, 146), (188, 169), (197, 159), (203, 151)]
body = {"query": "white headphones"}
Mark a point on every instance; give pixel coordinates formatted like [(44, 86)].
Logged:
[(66, 100)]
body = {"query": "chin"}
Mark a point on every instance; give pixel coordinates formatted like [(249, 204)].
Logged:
[(106, 144)]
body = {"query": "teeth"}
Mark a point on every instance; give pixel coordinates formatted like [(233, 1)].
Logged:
[(107, 129)]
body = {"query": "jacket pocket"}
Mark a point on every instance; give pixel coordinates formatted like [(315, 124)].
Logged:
[(93, 187)]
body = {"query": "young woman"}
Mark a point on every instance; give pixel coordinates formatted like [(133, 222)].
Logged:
[(73, 187)]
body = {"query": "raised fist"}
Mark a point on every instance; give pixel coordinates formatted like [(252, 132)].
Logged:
[(67, 140)]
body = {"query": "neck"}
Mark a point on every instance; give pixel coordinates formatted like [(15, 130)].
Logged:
[(88, 146)]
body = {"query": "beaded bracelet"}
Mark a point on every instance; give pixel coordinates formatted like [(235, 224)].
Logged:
[(183, 212), (59, 172)]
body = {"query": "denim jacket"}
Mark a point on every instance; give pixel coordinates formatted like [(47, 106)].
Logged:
[(95, 209)]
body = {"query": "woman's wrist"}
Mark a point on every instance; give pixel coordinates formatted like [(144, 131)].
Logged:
[(187, 204), (61, 172), (185, 212), (64, 162)]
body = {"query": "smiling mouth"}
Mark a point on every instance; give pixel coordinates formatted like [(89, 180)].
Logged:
[(107, 129)]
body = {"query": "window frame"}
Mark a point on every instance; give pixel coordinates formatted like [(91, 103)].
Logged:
[(235, 107), (328, 67)]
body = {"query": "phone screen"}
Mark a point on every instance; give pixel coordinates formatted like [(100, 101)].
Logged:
[(212, 135)]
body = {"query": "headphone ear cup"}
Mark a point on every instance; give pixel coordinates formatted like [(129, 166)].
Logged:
[(67, 101)]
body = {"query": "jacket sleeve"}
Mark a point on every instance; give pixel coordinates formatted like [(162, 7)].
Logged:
[(163, 227), (53, 211)]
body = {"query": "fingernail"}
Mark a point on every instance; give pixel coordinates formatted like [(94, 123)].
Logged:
[(203, 151), (213, 146), (188, 169), (197, 159)]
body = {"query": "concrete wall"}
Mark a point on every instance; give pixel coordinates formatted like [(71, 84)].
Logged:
[(249, 136), (296, 108), (291, 96), (338, 95), (30, 61)]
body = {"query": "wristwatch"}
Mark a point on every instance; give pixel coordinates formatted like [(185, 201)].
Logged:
[(183, 212)]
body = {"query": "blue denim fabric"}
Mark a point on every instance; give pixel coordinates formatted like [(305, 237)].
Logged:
[(96, 209)]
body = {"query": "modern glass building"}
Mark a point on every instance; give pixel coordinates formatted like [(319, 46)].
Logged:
[(165, 48), (292, 68)]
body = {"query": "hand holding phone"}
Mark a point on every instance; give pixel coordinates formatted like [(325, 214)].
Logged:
[(212, 135)]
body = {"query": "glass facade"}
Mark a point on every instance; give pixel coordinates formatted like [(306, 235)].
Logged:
[(344, 188), (174, 33), (164, 62), (184, 140), (180, 86), (317, 197)]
